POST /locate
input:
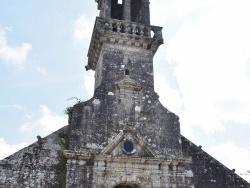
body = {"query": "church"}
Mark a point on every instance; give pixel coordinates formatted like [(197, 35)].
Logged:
[(122, 137)]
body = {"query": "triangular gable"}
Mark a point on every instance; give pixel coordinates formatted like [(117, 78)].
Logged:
[(128, 143)]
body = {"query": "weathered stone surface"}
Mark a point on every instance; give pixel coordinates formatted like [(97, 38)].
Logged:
[(122, 136), (41, 164), (102, 117), (208, 172)]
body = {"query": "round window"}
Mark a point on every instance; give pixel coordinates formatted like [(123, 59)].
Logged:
[(128, 147)]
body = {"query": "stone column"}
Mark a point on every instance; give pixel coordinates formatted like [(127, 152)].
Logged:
[(146, 12), (127, 10), (107, 8)]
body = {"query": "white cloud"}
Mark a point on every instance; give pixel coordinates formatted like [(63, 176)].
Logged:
[(162, 10), (169, 97), (83, 27), (7, 149), (15, 55), (44, 122), (211, 56), (232, 156), (41, 70), (89, 80)]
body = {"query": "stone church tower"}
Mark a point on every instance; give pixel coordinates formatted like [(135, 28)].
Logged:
[(122, 137)]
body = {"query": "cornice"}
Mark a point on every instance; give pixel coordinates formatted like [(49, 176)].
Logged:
[(122, 33)]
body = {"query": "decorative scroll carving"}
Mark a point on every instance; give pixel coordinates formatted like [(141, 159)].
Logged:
[(128, 91)]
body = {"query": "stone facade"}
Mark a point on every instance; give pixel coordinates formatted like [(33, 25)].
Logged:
[(208, 172), (41, 164), (122, 136)]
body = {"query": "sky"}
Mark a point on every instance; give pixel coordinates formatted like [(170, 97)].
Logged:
[(202, 72)]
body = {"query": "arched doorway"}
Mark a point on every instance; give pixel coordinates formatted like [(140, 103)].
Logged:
[(127, 185)]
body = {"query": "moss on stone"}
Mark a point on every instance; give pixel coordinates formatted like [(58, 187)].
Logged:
[(61, 169)]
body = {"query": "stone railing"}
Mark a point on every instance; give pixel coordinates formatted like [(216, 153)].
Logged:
[(122, 32), (131, 28)]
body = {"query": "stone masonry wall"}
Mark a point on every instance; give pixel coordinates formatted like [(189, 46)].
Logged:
[(108, 174), (208, 172), (94, 122), (39, 165)]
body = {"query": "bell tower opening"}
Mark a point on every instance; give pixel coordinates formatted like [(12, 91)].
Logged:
[(126, 10), (117, 9)]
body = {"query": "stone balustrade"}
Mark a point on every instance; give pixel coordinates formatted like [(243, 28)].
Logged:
[(131, 28), (124, 33)]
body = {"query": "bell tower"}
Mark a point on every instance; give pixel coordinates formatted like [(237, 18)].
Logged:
[(127, 10), (123, 136)]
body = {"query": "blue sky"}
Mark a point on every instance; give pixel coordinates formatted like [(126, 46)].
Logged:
[(51, 67), (202, 72)]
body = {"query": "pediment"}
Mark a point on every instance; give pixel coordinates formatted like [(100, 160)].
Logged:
[(128, 84), (128, 143)]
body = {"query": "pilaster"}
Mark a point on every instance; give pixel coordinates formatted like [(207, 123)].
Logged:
[(107, 8), (146, 12), (127, 10)]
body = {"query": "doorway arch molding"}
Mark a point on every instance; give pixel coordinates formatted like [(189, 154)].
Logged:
[(127, 185)]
